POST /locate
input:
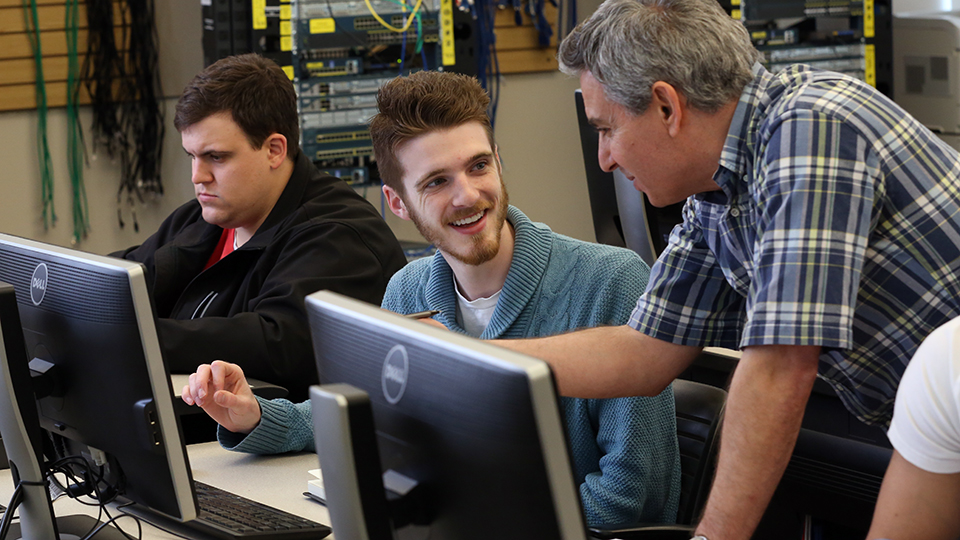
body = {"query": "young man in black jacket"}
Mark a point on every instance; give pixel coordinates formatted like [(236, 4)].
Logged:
[(230, 269)]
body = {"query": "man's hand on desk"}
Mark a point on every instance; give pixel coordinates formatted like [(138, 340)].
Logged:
[(221, 390)]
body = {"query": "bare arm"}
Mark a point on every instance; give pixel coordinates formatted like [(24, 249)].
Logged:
[(767, 398), (916, 504), (607, 362)]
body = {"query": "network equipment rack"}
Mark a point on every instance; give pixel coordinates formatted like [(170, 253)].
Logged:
[(343, 52), (226, 29), (270, 31), (847, 36), (232, 27), (339, 53)]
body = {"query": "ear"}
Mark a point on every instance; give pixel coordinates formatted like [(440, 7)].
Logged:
[(496, 154), (395, 203), (276, 145), (669, 106)]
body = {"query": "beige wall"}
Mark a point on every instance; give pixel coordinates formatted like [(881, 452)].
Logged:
[(179, 28), (536, 130), (20, 208), (540, 147)]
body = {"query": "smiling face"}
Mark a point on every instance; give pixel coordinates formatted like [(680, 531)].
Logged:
[(236, 184), (453, 192)]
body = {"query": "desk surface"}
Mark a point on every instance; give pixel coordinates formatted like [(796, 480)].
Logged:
[(275, 480)]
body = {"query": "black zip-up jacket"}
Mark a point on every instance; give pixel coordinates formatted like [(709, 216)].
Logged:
[(249, 307)]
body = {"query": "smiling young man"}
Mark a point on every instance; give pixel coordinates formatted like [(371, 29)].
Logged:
[(496, 274), (229, 270), (457, 200)]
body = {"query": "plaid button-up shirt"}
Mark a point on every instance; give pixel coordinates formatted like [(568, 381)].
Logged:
[(837, 224)]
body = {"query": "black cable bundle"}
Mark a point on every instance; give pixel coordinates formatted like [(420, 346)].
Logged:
[(125, 93), (488, 65), (102, 65)]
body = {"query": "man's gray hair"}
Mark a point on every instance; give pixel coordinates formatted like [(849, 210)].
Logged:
[(693, 45)]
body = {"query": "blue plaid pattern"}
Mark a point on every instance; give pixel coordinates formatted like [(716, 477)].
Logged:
[(837, 224)]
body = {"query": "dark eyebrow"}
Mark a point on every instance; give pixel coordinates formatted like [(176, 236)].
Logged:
[(423, 179), (221, 153)]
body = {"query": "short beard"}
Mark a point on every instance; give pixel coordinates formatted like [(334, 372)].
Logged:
[(481, 251)]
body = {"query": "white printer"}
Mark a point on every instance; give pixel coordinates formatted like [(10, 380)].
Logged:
[(926, 55)]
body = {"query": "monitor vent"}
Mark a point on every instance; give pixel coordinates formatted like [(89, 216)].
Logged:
[(70, 289)]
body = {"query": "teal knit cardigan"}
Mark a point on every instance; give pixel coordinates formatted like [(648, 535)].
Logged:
[(624, 451)]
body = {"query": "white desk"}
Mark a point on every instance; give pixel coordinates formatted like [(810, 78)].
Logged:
[(275, 480)]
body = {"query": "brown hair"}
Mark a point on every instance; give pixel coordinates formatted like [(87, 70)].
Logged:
[(254, 90), (420, 103)]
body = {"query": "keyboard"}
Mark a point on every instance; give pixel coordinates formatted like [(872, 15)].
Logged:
[(226, 515)]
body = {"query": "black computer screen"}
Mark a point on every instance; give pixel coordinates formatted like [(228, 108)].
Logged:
[(91, 318), (476, 426)]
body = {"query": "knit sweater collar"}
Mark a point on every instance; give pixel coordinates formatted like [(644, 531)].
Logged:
[(531, 252)]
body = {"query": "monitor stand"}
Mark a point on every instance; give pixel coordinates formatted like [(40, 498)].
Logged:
[(76, 527)]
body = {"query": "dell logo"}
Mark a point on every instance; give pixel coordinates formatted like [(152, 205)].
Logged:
[(38, 284), (396, 368), (395, 374)]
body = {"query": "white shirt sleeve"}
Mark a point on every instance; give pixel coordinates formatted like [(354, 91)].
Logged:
[(926, 419)]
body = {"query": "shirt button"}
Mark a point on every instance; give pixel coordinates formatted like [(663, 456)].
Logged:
[(735, 212)]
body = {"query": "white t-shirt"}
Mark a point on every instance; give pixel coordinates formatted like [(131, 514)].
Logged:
[(474, 315), (926, 417)]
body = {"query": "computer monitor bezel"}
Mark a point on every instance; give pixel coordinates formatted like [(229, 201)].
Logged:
[(542, 393), (171, 441)]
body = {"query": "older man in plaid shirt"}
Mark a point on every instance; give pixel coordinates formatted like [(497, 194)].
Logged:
[(821, 233)]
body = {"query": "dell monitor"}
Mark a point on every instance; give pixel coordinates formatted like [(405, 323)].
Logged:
[(20, 426), (622, 215), (469, 435), (89, 319)]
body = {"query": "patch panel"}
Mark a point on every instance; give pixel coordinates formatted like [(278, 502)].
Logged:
[(342, 56), (846, 36)]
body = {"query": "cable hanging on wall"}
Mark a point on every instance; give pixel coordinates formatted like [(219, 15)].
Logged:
[(125, 92), (75, 153), (484, 14), (48, 212)]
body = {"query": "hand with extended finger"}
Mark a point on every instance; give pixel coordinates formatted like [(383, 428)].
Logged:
[(222, 391)]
